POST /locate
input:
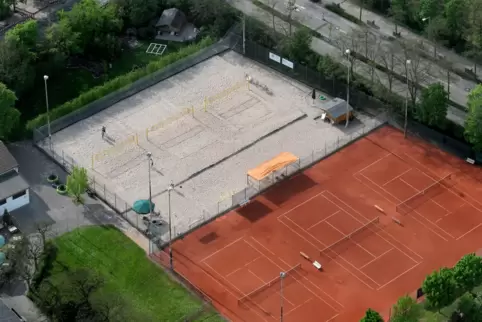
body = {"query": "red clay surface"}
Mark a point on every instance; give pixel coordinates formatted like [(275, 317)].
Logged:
[(247, 248)]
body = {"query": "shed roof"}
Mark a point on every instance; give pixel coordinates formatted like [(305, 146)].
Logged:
[(336, 107), (10, 184), (278, 162), (172, 17), (7, 161)]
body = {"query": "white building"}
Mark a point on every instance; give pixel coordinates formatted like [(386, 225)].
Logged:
[(14, 190)]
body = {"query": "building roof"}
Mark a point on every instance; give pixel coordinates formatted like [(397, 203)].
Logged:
[(336, 107), (10, 184), (171, 17), (7, 315), (7, 161)]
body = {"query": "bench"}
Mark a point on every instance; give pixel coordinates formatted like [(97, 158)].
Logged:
[(469, 160)]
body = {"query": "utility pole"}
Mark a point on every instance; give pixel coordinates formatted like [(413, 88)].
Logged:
[(169, 189), (46, 77), (150, 164)]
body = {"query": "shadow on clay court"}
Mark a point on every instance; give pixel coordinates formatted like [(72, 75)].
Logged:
[(254, 211), (286, 189), (208, 238)]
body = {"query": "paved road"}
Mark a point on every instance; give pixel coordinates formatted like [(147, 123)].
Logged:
[(340, 31), (325, 48)]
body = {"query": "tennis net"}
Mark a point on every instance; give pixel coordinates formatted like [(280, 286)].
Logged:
[(359, 231), (274, 281), (426, 194)]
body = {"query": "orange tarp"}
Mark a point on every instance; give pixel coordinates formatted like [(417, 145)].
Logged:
[(278, 162)]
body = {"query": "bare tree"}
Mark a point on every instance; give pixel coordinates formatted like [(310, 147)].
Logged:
[(272, 4), (35, 249), (290, 9), (387, 58), (354, 41), (44, 231), (416, 69)]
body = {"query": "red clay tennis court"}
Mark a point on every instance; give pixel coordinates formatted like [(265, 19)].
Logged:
[(378, 216)]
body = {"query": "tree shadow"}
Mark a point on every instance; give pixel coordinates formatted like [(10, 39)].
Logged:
[(288, 188), (208, 238), (254, 211)]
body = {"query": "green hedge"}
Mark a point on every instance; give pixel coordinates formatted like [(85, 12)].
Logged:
[(117, 83), (342, 13)]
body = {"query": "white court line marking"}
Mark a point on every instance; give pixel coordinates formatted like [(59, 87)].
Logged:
[(338, 255), (449, 213), (469, 231), (399, 275), (373, 163), (396, 177), (217, 273), (355, 211), (328, 295), (413, 217), (319, 222), (408, 184), (379, 256), (281, 268), (230, 244), (435, 180), (415, 211), (299, 205), (264, 282), (298, 306), (350, 238), (241, 267), (316, 247)]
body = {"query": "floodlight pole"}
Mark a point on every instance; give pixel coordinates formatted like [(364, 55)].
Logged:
[(171, 186), (348, 52), (282, 276), (406, 101), (150, 164), (46, 77)]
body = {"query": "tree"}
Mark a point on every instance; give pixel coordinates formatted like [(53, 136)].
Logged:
[(290, 8), (217, 14), (372, 316), (415, 67), (456, 15), (432, 109), (470, 307), (473, 122), (77, 183), (137, 13), (406, 310), (44, 231), (298, 47), (24, 34), (440, 288), (473, 33), (429, 9), (436, 29), (9, 116), (388, 60), (272, 4), (14, 3), (62, 40), (398, 11), (95, 28), (468, 272)]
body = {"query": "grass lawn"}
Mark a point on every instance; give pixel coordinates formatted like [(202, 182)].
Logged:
[(67, 84), (127, 271)]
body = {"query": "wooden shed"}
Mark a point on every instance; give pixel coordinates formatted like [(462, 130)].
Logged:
[(335, 110)]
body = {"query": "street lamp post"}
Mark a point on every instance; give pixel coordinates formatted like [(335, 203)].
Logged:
[(46, 77), (150, 164), (406, 100), (348, 52), (282, 276), (169, 189)]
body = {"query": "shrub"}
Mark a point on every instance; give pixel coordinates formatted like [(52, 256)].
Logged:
[(341, 12), (115, 84)]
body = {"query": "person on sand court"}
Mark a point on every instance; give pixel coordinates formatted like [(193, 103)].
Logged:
[(103, 131)]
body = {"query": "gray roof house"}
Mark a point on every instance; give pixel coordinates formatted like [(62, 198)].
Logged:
[(173, 26), (335, 110), (14, 190)]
